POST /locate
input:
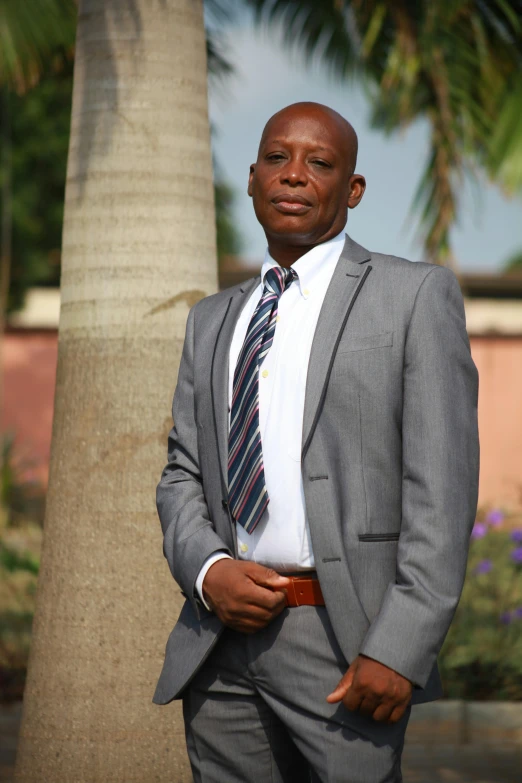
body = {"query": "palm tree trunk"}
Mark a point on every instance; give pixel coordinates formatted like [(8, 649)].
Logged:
[(138, 250)]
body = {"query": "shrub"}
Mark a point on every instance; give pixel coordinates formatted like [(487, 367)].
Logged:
[(481, 658)]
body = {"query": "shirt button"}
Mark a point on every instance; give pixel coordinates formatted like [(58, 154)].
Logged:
[(265, 373), (243, 548), (278, 317), (306, 292)]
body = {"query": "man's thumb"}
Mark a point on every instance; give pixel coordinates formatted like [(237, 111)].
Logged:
[(267, 577), (341, 689)]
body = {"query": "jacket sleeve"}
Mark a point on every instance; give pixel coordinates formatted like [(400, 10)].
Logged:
[(440, 471), (188, 532)]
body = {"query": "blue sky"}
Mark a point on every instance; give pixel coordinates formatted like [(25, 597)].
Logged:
[(267, 78)]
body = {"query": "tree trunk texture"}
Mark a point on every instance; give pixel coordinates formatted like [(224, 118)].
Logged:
[(138, 251)]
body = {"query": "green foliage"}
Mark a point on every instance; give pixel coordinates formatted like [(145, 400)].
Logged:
[(21, 520), (456, 64), (514, 263), (481, 658), (228, 238), (40, 131), (30, 34), (11, 560), (20, 499)]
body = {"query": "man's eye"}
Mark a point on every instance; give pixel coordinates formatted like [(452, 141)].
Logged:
[(321, 163), (276, 156)]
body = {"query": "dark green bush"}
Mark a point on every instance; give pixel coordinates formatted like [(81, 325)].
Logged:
[(481, 658)]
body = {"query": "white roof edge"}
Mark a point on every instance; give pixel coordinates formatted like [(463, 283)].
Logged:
[(483, 316)]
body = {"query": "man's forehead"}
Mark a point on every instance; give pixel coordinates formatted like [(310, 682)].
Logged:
[(268, 140), (313, 121)]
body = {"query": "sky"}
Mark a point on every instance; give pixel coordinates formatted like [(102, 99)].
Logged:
[(267, 78)]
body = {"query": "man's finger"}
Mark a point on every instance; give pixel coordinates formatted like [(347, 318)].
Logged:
[(383, 712), (267, 577), (264, 597), (368, 705), (353, 699), (397, 713), (342, 687)]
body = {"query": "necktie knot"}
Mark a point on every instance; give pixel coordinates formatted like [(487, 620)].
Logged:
[(278, 278)]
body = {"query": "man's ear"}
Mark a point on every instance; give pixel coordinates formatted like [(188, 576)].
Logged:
[(357, 188), (251, 179)]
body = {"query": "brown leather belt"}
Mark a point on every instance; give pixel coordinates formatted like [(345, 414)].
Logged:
[(303, 591)]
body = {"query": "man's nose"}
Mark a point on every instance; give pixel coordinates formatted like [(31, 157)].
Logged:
[(294, 174)]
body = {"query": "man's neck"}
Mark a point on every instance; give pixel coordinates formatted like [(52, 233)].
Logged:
[(286, 254)]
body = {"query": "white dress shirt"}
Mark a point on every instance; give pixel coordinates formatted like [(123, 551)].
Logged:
[(281, 539)]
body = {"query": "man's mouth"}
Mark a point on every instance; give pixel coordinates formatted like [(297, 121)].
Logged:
[(291, 204)]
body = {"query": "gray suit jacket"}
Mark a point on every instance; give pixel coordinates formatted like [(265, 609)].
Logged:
[(390, 463)]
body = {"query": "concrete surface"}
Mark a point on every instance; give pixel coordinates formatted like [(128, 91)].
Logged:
[(447, 742)]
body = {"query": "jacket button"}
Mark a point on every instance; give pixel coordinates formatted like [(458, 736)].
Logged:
[(224, 504)]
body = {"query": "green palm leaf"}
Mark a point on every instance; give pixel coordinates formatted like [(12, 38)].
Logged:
[(29, 33), (455, 63)]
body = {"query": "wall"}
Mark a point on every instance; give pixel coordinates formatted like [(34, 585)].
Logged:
[(30, 367), (499, 362)]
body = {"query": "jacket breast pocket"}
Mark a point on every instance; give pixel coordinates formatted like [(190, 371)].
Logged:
[(365, 342)]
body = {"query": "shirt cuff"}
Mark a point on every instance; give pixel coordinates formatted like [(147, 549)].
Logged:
[(211, 559)]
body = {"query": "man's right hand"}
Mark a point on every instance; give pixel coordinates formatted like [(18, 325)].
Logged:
[(245, 596)]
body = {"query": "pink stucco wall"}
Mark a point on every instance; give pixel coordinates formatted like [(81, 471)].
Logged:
[(30, 367), (499, 362)]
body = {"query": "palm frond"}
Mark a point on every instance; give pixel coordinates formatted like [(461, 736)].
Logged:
[(29, 33), (318, 30), (505, 149), (456, 63), (218, 65)]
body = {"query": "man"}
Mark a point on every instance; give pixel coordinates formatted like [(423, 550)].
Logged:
[(319, 528)]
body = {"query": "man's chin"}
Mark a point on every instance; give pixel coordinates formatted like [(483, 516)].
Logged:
[(292, 228)]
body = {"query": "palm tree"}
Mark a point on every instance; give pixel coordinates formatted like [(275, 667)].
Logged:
[(138, 249), (456, 64)]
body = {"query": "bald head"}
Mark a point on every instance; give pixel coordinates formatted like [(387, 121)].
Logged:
[(341, 131), (303, 181)]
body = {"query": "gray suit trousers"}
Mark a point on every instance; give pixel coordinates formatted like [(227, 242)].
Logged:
[(257, 711)]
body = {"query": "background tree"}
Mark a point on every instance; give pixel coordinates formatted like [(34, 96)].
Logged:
[(138, 250), (40, 121), (27, 35), (455, 63), (514, 264), (39, 118)]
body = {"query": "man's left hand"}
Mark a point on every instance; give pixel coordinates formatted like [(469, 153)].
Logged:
[(374, 690)]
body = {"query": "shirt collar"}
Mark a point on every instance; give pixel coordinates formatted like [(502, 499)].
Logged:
[(310, 265)]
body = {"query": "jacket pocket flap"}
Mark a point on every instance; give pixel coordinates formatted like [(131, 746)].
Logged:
[(363, 342), (379, 536)]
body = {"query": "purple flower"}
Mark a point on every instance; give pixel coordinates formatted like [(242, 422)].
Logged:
[(495, 517), (516, 554), (516, 535), (518, 613), (505, 618), (479, 530), (484, 567)]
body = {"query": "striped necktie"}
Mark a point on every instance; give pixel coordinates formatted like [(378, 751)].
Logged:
[(248, 496)]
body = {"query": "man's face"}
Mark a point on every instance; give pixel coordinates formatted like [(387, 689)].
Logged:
[(301, 184)]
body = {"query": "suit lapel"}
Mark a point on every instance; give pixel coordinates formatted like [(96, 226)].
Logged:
[(226, 321), (347, 281)]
